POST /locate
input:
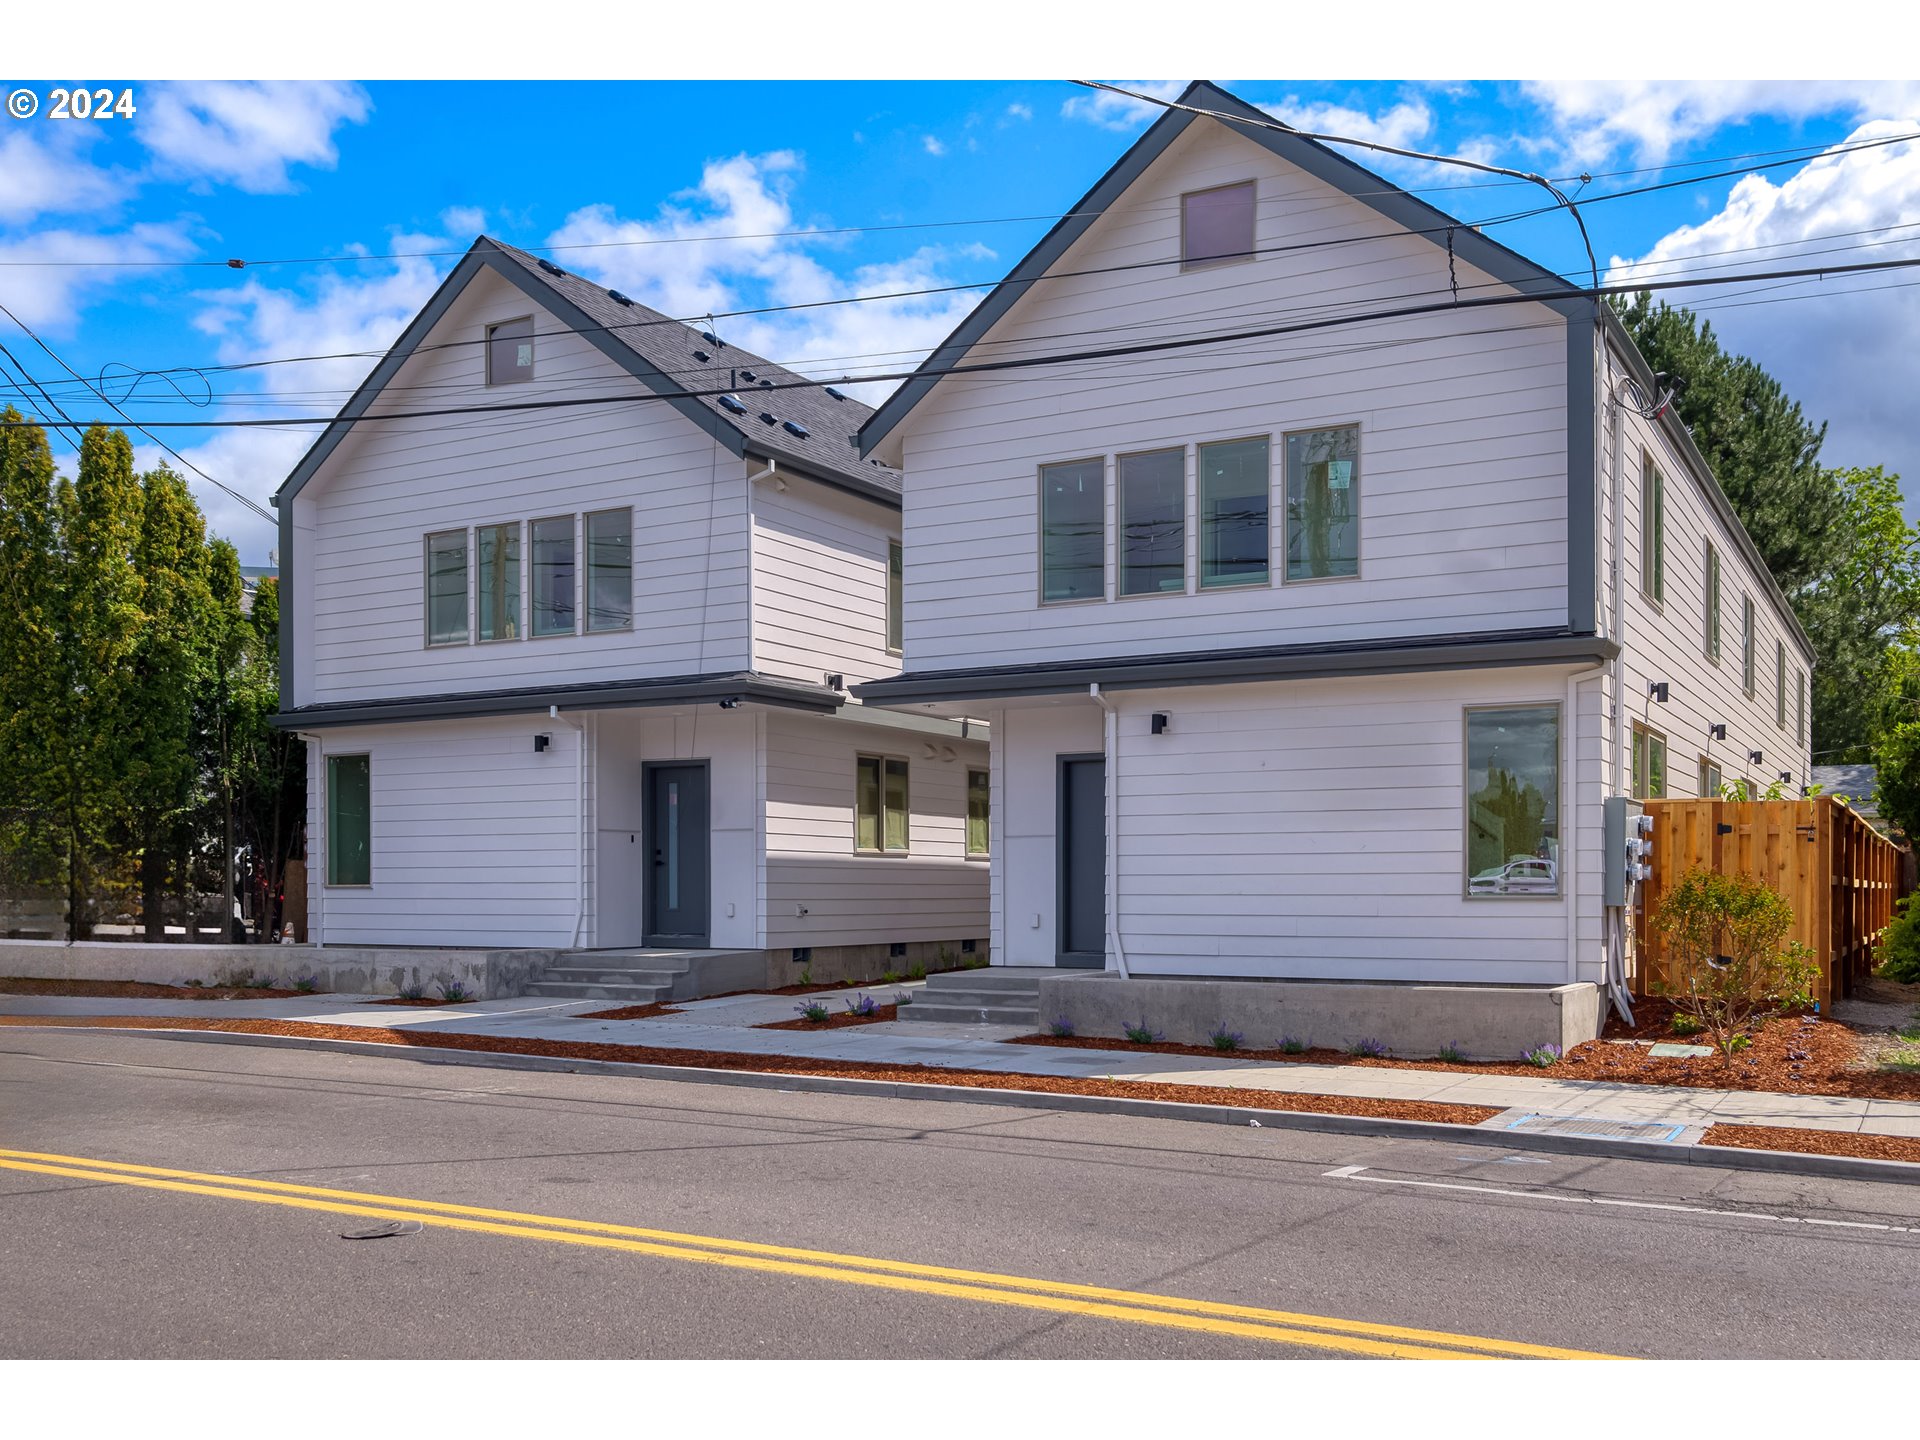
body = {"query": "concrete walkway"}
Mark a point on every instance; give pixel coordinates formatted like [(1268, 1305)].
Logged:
[(727, 1023)]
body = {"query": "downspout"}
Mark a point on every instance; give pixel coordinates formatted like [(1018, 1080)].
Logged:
[(579, 822), (1572, 831), (1617, 940), (1111, 745)]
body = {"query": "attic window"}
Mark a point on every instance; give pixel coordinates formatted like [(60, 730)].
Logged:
[(794, 427), (732, 405), (1216, 226), (510, 352)]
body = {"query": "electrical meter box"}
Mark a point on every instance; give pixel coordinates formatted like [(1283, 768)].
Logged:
[(1628, 846)]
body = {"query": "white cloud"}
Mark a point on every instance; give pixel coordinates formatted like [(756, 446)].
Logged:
[(247, 133), (933, 145), (463, 220), (51, 296), (50, 179), (1405, 124), (1112, 111), (1017, 111), (1651, 118), (1845, 351)]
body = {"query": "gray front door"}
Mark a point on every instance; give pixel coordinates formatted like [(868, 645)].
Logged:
[(677, 854), (1083, 861)]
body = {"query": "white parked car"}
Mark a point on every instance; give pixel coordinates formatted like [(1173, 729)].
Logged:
[(1523, 875)]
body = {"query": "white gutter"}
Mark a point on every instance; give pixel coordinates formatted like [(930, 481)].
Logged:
[(579, 821), (1111, 746)]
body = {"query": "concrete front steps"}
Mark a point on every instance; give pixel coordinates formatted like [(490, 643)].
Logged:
[(993, 995), (646, 976)]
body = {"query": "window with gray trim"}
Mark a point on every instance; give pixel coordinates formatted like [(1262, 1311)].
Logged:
[(1800, 725), (349, 820), (1153, 522), (510, 352), (1216, 226), (1713, 603), (979, 801), (1746, 645), (1513, 801), (1780, 683), (496, 554), (896, 596), (1235, 496), (880, 804), (1323, 503), (610, 569), (447, 588), (1073, 541), (1653, 530), (554, 576)]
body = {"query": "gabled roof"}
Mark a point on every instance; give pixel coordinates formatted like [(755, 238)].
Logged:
[(1507, 266), (660, 352)]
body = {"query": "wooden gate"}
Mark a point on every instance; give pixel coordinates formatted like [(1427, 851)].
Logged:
[(1840, 875)]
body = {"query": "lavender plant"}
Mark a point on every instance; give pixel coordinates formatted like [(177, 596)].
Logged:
[(862, 1006), (1543, 1056), (813, 1011), (1060, 1028), (1142, 1033), (1293, 1045), (1369, 1049), (1224, 1039)]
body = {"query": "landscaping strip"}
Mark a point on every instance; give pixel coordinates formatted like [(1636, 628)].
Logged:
[(138, 990), (838, 1020), (1431, 1112), (1815, 1142)]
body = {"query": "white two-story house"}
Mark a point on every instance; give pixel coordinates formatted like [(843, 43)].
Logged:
[(1315, 560), (574, 596)]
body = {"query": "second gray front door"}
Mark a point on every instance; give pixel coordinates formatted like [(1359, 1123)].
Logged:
[(1083, 861), (677, 851)]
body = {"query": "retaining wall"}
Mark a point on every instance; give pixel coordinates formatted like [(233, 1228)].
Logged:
[(340, 969)]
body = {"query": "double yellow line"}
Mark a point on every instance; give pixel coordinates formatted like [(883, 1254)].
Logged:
[(1280, 1327)]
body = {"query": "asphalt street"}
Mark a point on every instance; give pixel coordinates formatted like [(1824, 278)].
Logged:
[(630, 1218)]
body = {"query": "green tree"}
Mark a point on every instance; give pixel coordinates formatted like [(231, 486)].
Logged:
[(1763, 450), (32, 685), (1896, 758), (269, 764)]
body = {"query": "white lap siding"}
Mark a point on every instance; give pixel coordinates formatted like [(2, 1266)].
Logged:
[(820, 583), (475, 839), (931, 893)]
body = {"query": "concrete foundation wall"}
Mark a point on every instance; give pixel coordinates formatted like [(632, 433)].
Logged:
[(858, 963), (1484, 1022), (337, 969)]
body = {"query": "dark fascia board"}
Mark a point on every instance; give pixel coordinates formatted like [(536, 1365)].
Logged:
[(1509, 267), (486, 255), (1682, 440), (745, 686), (880, 494), (1415, 655), (1583, 477)]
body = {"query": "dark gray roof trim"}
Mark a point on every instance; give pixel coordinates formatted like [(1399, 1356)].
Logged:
[(657, 351), (1478, 651), (1682, 441), (745, 685), (1507, 266)]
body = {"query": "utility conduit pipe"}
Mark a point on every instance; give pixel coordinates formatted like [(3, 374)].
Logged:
[(1111, 747)]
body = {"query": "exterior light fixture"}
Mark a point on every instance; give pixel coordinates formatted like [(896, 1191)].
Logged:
[(1161, 719), (541, 743), (1754, 757), (732, 702), (1717, 732), (1658, 690), (1786, 777)]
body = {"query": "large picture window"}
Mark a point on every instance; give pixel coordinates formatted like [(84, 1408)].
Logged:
[(610, 569), (1513, 801), (1153, 523), (880, 804), (497, 565), (554, 576), (1235, 488), (349, 820), (1323, 503), (1073, 508), (447, 588)]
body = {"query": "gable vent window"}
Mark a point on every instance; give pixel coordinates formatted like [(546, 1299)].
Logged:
[(510, 352), (1216, 226)]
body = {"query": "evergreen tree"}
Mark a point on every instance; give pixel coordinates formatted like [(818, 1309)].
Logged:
[(32, 687)]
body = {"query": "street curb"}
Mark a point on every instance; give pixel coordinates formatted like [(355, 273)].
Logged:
[(1840, 1167)]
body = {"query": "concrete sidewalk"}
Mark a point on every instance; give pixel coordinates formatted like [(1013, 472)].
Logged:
[(726, 1024)]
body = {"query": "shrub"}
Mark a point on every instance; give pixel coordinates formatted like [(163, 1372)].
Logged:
[(1225, 1039), (813, 1011), (1142, 1033), (889, 977), (863, 1006), (1684, 1024), (1060, 1027), (306, 984), (413, 990), (1898, 952), (238, 979), (917, 970), (1292, 1045), (1542, 1055), (1451, 1053), (453, 992), (1369, 1049), (806, 974), (973, 962), (1727, 957)]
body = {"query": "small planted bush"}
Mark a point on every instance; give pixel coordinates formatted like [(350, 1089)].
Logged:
[(1060, 1028), (1542, 1056), (1728, 955), (1898, 952), (1368, 1049), (1292, 1045), (1684, 1024), (453, 992), (806, 974), (973, 962), (1142, 1033), (815, 1012), (413, 990), (1224, 1039), (917, 970), (306, 984), (863, 1006), (889, 977), (1451, 1053)]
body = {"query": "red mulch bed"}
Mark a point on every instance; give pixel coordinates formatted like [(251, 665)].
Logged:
[(1792, 1055), (138, 990), (787, 1065), (1814, 1142), (651, 1011), (839, 1020)]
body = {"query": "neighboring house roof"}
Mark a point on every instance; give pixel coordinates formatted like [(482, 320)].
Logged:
[(659, 352), (1857, 782)]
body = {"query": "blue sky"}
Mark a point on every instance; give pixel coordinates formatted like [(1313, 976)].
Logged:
[(966, 174)]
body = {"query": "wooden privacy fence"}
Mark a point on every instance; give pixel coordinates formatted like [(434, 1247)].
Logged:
[(1840, 875)]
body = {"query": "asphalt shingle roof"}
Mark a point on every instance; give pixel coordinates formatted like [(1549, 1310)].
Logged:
[(669, 346)]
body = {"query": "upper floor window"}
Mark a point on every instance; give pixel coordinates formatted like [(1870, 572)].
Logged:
[(1323, 503), (1073, 508), (1153, 522), (1653, 530), (610, 569), (1713, 603), (497, 564), (1649, 763), (1235, 486), (1800, 725), (447, 588), (1710, 780), (879, 803), (896, 596), (1746, 645), (510, 352), (1216, 226), (1780, 683), (554, 576)]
